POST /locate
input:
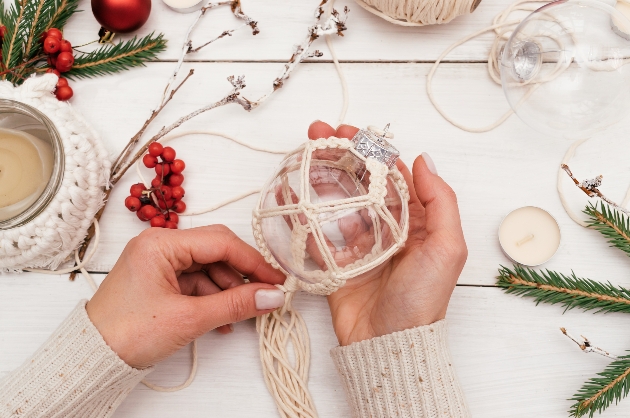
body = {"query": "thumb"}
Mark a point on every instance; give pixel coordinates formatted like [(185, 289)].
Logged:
[(437, 197), (236, 304)]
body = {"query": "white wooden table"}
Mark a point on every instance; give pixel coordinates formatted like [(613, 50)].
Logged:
[(509, 354)]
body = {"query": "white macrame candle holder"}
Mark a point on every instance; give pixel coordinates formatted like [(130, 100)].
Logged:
[(287, 380), (51, 237)]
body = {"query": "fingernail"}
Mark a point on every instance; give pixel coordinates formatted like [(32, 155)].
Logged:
[(429, 162), (269, 299), (231, 327)]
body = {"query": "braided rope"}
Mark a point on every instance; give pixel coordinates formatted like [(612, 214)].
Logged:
[(50, 238), (287, 381)]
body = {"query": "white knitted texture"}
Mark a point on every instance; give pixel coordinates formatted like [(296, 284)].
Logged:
[(48, 239), (74, 374), (407, 374)]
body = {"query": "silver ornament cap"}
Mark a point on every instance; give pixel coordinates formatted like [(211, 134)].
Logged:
[(372, 143)]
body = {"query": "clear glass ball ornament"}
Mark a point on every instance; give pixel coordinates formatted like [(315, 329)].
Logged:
[(317, 217), (565, 71)]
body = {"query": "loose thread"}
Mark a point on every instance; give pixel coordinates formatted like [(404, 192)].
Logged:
[(502, 28)]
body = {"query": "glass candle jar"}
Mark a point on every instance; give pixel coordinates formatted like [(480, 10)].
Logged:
[(31, 163)]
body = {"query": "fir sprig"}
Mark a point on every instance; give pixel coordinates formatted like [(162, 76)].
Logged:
[(611, 223), (48, 14), (110, 59), (16, 21), (570, 291), (598, 393)]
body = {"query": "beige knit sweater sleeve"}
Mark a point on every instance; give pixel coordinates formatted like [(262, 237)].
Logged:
[(406, 374), (74, 374)]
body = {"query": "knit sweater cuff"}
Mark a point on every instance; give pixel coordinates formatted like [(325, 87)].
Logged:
[(74, 374), (405, 374)]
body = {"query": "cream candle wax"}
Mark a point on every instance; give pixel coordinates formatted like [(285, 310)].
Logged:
[(185, 6), (529, 236), (26, 164)]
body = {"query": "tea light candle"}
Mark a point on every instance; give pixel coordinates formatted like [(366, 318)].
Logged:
[(529, 236), (26, 164), (184, 6)]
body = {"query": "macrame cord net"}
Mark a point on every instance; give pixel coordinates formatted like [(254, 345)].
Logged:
[(284, 331)]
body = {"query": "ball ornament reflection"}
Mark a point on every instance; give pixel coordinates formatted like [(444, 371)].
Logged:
[(565, 71), (334, 209)]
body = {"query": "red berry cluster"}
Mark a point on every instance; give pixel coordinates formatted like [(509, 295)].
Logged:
[(60, 59), (161, 203)]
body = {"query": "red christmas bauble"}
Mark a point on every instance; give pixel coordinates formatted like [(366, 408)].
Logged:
[(121, 16)]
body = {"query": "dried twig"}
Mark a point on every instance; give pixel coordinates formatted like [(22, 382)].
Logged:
[(586, 346), (335, 24), (590, 187), (187, 47), (134, 140)]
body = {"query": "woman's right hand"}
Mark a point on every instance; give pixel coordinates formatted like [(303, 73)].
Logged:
[(414, 287)]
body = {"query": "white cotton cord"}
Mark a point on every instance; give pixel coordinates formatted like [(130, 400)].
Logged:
[(222, 135), (502, 28), (191, 376), (287, 381), (342, 79), (221, 204), (418, 12), (340, 73), (435, 66), (80, 263)]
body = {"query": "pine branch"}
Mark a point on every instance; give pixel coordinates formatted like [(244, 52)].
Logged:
[(111, 59), (48, 14), (611, 223), (63, 9), (598, 393), (569, 291), (16, 22)]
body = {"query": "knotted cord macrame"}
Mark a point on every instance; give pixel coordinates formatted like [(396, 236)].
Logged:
[(503, 25), (418, 12), (48, 240), (287, 380)]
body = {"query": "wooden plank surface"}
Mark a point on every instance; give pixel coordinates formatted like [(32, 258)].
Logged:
[(509, 354), (284, 23), (510, 357)]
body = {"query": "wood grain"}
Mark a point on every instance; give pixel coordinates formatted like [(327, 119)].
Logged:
[(510, 356)]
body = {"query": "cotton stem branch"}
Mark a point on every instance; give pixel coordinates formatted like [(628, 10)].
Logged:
[(335, 24), (124, 155), (590, 187), (187, 48), (586, 346)]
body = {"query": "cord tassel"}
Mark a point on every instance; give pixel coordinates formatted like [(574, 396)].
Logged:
[(286, 380)]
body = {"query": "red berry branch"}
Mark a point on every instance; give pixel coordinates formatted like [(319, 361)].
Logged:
[(60, 60), (161, 203)]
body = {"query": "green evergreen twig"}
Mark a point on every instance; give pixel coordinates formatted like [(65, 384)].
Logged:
[(598, 393), (110, 59), (611, 223), (570, 291)]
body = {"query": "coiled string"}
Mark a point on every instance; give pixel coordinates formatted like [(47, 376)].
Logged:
[(503, 25)]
